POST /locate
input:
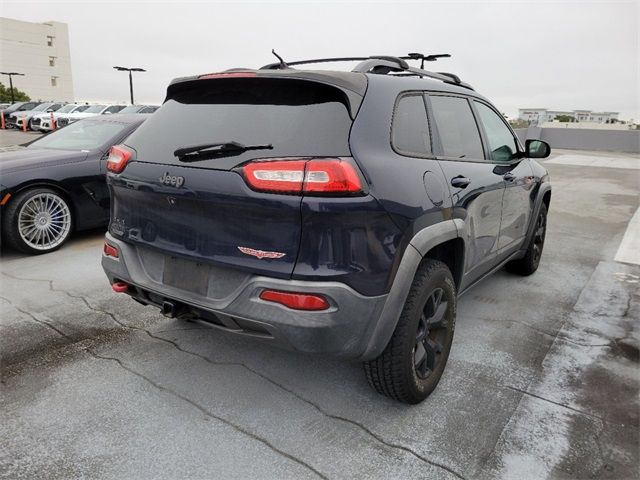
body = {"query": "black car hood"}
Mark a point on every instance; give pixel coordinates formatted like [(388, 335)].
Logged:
[(29, 158)]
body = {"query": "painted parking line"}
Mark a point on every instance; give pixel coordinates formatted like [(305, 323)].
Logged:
[(629, 249), (596, 161)]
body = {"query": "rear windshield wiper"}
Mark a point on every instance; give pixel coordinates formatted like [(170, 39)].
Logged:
[(212, 150)]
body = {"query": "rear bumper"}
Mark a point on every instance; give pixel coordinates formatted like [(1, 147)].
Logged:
[(232, 303)]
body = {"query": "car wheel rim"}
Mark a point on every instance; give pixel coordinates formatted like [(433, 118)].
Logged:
[(431, 335), (538, 238), (44, 221)]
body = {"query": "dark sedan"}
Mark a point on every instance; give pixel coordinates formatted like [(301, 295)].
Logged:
[(56, 184)]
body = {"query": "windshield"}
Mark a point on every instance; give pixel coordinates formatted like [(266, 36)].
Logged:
[(67, 108), (95, 109), (81, 108), (25, 106), (131, 109), (299, 118), (82, 135), (42, 107)]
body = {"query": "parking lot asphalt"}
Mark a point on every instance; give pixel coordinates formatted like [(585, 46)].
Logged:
[(542, 381)]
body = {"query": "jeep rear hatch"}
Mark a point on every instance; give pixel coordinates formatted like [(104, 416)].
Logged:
[(183, 191)]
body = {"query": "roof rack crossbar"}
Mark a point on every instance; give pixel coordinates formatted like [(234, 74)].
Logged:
[(277, 66), (384, 64)]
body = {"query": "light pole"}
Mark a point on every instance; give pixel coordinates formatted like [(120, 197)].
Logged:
[(12, 74), (125, 69)]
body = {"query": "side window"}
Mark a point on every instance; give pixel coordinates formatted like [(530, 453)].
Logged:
[(501, 142), (457, 128), (410, 129)]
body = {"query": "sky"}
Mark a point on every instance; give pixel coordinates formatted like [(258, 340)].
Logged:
[(547, 54)]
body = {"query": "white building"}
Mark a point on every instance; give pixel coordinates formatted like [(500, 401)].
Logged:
[(41, 52), (538, 116)]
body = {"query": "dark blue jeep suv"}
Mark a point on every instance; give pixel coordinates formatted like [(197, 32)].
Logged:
[(329, 212)]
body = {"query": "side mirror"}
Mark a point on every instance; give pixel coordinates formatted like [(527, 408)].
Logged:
[(106, 113), (537, 149)]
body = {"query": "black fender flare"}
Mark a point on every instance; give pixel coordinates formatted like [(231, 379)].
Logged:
[(544, 188), (420, 244)]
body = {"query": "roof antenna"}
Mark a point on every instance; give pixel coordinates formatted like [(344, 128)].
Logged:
[(283, 64)]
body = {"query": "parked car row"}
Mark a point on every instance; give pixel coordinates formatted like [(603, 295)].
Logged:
[(38, 116)]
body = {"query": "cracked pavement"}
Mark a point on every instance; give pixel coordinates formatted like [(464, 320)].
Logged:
[(542, 381)]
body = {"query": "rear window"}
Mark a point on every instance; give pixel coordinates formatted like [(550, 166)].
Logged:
[(299, 118)]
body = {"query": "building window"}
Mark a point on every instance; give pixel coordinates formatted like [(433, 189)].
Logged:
[(49, 41), (52, 61), (54, 81)]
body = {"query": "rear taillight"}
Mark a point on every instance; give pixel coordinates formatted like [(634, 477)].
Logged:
[(331, 176), (119, 156), (276, 176), (297, 301)]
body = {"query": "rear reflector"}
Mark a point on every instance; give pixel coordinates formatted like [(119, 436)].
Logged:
[(332, 176), (110, 250), (120, 287), (297, 301), (119, 156)]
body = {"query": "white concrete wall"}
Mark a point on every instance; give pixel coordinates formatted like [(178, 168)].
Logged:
[(24, 49), (587, 125)]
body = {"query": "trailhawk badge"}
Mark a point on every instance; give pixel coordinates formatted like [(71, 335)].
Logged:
[(260, 253)]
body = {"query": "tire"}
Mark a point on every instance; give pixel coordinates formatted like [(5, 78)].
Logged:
[(37, 221), (529, 263), (411, 365)]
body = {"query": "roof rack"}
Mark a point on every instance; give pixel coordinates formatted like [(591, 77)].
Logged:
[(279, 65), (383, 65)]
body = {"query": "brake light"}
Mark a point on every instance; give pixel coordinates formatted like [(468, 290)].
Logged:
[(110, 250), (119, 156), (297, 301), (208, 76), (298, 176)]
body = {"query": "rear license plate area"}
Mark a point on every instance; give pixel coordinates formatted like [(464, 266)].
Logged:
[(186, 275)]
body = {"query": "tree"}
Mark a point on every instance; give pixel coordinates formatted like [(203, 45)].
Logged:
[(565, 118), (5, 95)]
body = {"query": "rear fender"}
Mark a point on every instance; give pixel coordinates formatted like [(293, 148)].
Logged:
[(419, 246)]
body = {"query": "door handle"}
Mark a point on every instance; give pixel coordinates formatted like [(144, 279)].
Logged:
[(460, 182), (509, 177)]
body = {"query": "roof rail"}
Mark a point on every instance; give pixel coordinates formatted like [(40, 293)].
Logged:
[(383, 65)]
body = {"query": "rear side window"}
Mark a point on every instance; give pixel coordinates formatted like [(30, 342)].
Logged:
[(457, 128), (410, 129), (299, 118), (501, 142)]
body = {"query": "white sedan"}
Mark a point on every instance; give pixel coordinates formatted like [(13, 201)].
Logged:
[(89, 112), (42, 121)]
